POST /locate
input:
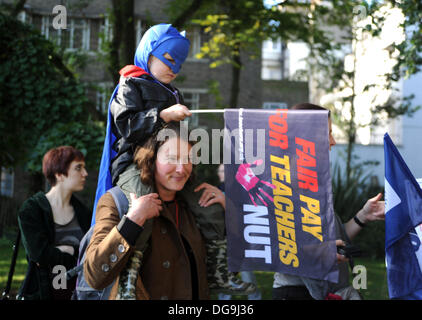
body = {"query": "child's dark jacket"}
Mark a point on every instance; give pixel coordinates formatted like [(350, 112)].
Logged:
[(136, 115)]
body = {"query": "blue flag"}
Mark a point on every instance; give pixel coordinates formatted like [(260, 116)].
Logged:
[(403, 231)]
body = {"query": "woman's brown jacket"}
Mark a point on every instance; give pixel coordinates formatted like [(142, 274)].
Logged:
[(165, 271)]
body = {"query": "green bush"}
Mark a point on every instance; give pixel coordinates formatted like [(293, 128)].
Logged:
[(88, 137), (8, 215), (43, 104)]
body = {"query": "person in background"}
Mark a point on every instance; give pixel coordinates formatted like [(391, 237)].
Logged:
[(52, 225), (247, 276), (292, 287)]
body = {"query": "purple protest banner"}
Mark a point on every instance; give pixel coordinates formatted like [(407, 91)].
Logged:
[(279, 213)]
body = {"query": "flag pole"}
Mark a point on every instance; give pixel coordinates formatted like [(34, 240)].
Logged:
[(207, 111)]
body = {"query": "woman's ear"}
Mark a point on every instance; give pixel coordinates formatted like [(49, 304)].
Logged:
[(59, 177)]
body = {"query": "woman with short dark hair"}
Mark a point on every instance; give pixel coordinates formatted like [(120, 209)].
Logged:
[(52, 226)]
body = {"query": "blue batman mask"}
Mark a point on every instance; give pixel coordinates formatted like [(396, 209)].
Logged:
[(161, 39)]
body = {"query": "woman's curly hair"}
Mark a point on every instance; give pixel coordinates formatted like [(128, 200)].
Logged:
[(146, 155)]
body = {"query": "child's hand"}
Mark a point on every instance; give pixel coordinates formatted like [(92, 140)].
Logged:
[(176, 112)]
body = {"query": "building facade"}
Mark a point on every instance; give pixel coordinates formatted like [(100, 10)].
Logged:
[(88, 27)]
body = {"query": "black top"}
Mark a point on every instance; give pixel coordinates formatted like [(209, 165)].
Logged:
[(69, 234), (36, 223)]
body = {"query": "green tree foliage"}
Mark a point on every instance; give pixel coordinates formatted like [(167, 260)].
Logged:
[(357, 21), (86, 137), (236, 30), (226, 44), (40, 99), (410, 58), (354, 22), (235, 26), (180, 12)]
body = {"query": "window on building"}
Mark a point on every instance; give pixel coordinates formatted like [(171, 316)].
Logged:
[(274, 60), (23, 17), (103, 95), (81, 33), (96, 26), (105, 32), (140, 28), (49, 32), (392, 126), (194, 34), (99, 94), (192, 98), (274, 105), (7, 182), (192, 102)]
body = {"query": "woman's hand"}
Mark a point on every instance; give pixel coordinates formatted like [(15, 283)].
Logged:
[(144, 208), (373, 210), (211, 195), (177, 112)]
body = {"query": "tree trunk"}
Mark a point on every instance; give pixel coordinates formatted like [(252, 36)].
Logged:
[(235, 85), (36, 183), (116, 22), (122, 46), (58, 63), (128, 46), (187, 14), (2, 214), (18, 8), (351, 139), (352, 124)]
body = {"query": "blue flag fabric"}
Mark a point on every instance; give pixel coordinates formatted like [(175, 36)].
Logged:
[(403, 232), (279, 213)]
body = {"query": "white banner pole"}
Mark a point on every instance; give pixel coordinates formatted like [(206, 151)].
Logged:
[(207, 111)]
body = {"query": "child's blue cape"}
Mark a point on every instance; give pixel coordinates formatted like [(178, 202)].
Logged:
[(157, 40)]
